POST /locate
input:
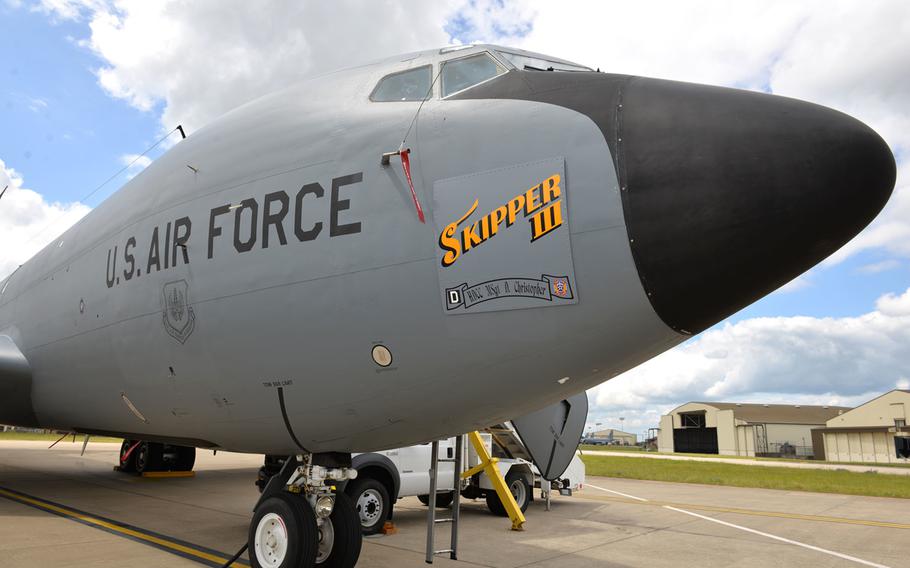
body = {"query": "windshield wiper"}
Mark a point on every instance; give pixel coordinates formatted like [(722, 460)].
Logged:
[(532, 68)]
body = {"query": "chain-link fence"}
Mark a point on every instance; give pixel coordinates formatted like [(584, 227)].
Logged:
[(787, 450)]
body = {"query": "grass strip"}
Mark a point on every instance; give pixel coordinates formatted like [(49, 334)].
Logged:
[(588, 447), (736, 475), (605, 448)]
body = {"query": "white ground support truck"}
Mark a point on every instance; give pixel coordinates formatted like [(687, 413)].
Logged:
[(384, 477)]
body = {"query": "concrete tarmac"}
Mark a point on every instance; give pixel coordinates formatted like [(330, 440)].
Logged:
[(60, 509)]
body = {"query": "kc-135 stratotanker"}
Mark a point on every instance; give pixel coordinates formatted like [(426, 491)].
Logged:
[(415, 248)]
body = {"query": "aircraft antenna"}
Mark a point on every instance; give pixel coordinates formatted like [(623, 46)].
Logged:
[(403, 152), (416, 114), (4, 191), (108, 180)]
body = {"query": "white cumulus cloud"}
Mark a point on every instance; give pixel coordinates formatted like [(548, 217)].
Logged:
[(134, 163), (876, 267), (783, 359), (27, 221), (894, 306), (197, 60)]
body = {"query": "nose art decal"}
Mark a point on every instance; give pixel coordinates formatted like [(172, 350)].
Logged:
[(504, 239)]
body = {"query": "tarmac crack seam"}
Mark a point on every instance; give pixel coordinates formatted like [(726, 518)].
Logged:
[(753, 531)]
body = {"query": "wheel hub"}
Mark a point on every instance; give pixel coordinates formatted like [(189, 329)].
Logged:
[(271, 542), (326, 540), (518, 491), (369, 507)]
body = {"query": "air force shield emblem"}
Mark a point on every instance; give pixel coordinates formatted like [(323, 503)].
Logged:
[(179, 318)]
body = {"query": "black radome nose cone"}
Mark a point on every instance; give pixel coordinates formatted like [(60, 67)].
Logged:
[(729, 194)]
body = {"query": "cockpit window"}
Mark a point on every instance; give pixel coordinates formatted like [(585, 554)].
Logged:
[(410, 85), (459, 74), (539, 64)]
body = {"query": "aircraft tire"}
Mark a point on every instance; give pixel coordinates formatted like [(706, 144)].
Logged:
[(186, 458), (283, 533), (443, 500), (371, 502), (127, 465), (149, 457), (521, 489), (343, 526)]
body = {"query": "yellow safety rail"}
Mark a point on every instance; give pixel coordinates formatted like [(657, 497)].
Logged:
[(488, 465)]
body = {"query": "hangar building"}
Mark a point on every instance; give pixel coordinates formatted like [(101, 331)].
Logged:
[(616, 436), (742, 429), (874, 432)]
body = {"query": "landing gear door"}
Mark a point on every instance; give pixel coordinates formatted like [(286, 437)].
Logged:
[(551, 434)]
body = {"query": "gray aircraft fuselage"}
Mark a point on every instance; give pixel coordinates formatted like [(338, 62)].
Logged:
[(267, 285)]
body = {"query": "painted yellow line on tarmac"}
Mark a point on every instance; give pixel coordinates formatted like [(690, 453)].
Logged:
[(168, 474), (163, 542), (751, 512)]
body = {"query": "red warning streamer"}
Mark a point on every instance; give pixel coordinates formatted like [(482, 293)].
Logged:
[(125, 457), (406, 166)]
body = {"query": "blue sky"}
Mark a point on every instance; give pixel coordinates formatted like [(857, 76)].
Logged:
[(65, 130), (838, 291), (64, 134)]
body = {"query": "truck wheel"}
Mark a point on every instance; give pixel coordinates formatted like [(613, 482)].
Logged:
[(372, 502), (443, 500), (520, 487)]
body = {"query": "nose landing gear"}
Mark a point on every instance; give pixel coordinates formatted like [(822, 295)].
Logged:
[(301, 521)]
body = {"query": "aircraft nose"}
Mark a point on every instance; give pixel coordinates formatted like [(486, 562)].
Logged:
[(729, 194)]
